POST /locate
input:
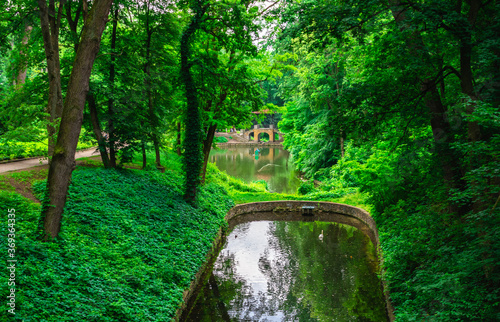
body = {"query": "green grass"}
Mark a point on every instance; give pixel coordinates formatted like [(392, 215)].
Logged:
[(29, 176), (242, 192)]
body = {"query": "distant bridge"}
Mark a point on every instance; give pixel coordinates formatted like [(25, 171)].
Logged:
[(254, 135), (256, 132)]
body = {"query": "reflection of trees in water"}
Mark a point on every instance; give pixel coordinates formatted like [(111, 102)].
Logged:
[(334, 278), (240, 162), (307, 280)]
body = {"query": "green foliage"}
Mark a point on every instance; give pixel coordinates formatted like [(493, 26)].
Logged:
[(306, 187), (193, 159), (17, 150), (220, 139), (14, 149), (128, 248), (421, 143), (231, 183), (437, 263)]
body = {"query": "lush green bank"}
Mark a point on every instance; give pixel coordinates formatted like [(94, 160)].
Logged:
[(128, 248)]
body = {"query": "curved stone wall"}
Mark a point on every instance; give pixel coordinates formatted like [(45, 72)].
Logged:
[(317, 211), (292, 210)]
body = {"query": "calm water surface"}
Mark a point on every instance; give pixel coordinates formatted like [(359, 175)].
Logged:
[(273, 165), (282, 271)]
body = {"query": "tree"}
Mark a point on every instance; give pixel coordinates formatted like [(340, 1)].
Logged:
[(141, 53), (192, 152), (63, 159), (418, 108), (227, 72), (50, 24)]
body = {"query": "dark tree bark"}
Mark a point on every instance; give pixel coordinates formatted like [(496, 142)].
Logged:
[(50, 24), (220, 303), (63, 160), (179, 139), (207, 146), (96, 127), (144, 156), (342, 148), (73, 23), (94, 115), (111, 102), (22, 69), (157, 152), (153, 119), (441, 128), (192, 145)]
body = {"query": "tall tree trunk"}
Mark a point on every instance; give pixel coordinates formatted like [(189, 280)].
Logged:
[(193, 159), (63, 160), (220, 303), (178, 142), (342, 148), (73, 23), (441, 128), (207, 146), (157, 152), (101, 140), (144, 156), (153, 119), (50, 23), (23, 65), (111, 101)]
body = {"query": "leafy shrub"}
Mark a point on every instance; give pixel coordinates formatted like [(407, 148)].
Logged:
[(328, 195), (306, 187), (231, 183), (11, 148), (16, 150), (220, 139)]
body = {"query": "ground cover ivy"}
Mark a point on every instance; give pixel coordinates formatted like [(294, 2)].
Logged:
[(128, 248)]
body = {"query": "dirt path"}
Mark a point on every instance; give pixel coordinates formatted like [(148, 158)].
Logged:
[(35, 162)]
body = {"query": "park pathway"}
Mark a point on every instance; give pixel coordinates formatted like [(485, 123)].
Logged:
[(39, 161)]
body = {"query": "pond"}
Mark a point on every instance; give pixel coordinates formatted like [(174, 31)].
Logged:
[(272, 164), (284, 270)]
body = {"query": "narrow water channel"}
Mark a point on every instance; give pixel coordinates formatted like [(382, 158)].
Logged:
[(284, 270)]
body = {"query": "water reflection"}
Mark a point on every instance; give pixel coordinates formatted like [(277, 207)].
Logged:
[(281, 271), (272, 165)]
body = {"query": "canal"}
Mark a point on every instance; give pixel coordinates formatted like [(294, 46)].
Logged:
[(271, 164), (288, 270)]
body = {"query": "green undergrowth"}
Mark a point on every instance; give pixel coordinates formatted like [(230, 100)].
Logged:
[(15, 148), (256, 191), (220, 139), (128, 248)]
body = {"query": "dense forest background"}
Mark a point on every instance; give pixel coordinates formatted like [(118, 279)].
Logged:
[(397, 99)]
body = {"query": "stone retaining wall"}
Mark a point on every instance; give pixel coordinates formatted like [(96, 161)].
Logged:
[(320, 212), (290, 211)]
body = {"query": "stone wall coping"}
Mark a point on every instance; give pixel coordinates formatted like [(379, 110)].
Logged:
[(320, 207)]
